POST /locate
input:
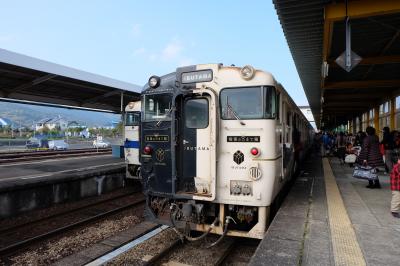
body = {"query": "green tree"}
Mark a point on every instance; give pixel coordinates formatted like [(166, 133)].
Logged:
[(45, 130)]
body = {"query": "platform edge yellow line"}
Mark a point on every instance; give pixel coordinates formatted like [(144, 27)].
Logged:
[(346, 249)]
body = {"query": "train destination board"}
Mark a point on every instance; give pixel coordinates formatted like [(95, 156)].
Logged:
[(243, 138), (197, 76), (159, 138)]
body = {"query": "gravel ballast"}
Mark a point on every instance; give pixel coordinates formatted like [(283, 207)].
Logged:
[(76, 240)]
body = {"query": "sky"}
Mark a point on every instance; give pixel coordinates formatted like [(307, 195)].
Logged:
[(133, 40)]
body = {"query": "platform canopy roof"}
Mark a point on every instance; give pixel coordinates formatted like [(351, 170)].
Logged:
[(30, 80), (315, 32)]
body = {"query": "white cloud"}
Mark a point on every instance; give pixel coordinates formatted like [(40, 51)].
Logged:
[(136, 29), (186, 61), (172, 50), (153, 57), (6, 38), (139, 51)]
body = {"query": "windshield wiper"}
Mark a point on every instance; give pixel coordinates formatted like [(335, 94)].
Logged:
[(235, 114), (166, 114)]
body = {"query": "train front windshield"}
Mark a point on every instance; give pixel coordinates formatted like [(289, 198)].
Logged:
[(132, 119), (248, 103), (157, 107)]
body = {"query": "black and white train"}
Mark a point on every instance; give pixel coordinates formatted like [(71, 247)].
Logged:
[(218, 143)]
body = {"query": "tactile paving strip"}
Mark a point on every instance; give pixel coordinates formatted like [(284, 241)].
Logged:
[(346, 249)]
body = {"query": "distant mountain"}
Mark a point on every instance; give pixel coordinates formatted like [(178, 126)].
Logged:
[(26, 115)]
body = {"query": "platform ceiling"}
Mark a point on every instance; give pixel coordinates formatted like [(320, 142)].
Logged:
[(24, 78), (315, 32)]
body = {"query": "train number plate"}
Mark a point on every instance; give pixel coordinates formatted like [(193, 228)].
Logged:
[(159, 138), (243, 138)]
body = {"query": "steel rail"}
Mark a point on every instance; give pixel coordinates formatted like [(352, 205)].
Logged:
[(54, 155), (44, 152), (55, 215), (16, 246)]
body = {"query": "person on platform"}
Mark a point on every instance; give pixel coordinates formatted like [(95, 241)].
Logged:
[(388, 147), (370, 154), (325, 144), (395, 187), (341, 147)]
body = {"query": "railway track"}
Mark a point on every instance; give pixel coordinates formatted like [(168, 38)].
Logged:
[(17, 238), (10, 157), (175, 252), (215, 256)]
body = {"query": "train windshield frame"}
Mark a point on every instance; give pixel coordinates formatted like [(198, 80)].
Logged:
[(255, 102), (132, 118), (157, 107)]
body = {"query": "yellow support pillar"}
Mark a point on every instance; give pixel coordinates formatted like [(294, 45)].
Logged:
[(392, 112), (376, 119)]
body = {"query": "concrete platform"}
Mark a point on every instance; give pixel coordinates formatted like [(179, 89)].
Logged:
[(39, 184), (306, 232), (50, 167)]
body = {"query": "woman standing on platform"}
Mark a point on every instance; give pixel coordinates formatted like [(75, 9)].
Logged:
[(370, 154), (395, 187), (388, 144), (341, 147)]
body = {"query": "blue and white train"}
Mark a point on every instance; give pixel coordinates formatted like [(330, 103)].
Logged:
[(131, 145), (218, 143)]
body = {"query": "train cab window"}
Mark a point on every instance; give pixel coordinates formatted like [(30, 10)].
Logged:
[(278, 110), (132, 118), (157, 107), (248, 103), (196, 113), (270, 103)]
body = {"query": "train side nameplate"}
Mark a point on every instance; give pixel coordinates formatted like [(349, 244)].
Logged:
[(159, 138), (243, 138), (197, 76)]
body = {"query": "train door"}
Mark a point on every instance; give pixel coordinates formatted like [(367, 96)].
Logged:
[(287, 145), (196, 171)]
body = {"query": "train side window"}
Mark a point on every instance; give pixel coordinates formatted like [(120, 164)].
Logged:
[(132, 118), (278, 96), (270, 100), (196, 113)]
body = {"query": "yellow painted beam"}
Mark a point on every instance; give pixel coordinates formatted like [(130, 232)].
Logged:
[(361, 84), (328, 29), (392, 112), (360, 9), (375, 60), (376, 119)]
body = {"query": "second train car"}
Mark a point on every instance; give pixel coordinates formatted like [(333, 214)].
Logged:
[(132, 142), (218, 143)]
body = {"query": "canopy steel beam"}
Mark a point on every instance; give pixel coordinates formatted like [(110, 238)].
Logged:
[(354, 96), (360, 9), (384, 50), (355, 9), (374, 60), (347, 104), (361, 84), (105, 95), (32, 83)]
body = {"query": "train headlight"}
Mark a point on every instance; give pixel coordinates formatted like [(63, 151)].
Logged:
[(247, 72), (255, 152), (154, 82), (147, 150)]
